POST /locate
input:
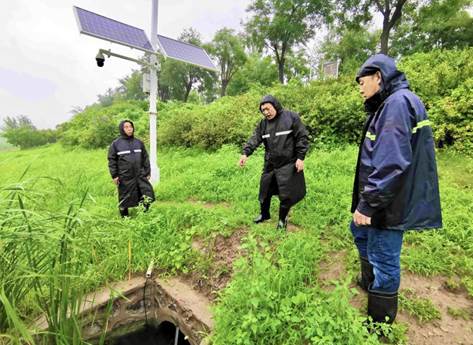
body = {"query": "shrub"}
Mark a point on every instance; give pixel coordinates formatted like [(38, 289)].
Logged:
[(228, 120), (97, 126), (453, 117), (332, 110), (27, 137)]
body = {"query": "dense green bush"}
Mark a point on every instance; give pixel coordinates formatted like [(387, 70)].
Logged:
[(443, 80), (228, 120), (19, 131), (97, 126), (27, 137), (332, 110), (436, 74), (453, 117)]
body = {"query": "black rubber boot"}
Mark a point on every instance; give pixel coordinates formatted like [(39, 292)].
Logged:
[(264, 215), (367, 276), (382, 307), (283, 212), (260, 219), (282, 225), (124, 212)]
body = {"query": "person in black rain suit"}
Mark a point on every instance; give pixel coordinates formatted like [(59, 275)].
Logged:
[(285, 140), (129, 166)]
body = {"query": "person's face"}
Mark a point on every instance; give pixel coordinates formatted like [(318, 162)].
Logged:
[(369, 85), (268, 111), (128, 129)]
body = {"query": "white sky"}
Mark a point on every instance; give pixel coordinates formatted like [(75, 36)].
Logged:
[(47, 67)]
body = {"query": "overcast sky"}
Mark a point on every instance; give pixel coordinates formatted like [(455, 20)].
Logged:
[(47, 67)]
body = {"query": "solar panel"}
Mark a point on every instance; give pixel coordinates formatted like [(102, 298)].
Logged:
[(185, 52), (111, 30)]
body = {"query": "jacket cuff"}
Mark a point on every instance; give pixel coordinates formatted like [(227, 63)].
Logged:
[(365, 208), (300, 156), (244, 152)]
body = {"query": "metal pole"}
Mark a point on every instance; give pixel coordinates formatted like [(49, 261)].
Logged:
[(153, 93), (109, 53), (176, 338)]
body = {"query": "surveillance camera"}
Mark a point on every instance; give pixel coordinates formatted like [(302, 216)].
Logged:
[(100, 59)]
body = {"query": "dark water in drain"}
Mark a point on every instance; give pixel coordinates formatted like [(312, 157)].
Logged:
[(164, 334)]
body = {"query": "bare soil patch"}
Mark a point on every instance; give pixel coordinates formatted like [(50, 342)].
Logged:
[(449, 330), (222, 251), (446, 331), (206, 204)]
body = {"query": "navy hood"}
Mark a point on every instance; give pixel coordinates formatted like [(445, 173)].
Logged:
[(122, 131), (393, 79), (272, 100)]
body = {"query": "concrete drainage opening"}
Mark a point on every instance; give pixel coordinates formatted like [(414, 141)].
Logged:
[(149, 311), (164, 334), (145, 311)]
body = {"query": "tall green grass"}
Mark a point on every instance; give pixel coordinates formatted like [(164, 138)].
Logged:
[(42, 265)]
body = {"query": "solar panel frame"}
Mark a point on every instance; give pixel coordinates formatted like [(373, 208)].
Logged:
[(132, 30), (205, 62)]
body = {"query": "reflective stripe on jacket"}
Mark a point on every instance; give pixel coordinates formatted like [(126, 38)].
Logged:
[(396, 181), (285, 140)]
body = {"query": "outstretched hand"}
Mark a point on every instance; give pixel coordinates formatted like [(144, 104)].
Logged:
[(242, 161)]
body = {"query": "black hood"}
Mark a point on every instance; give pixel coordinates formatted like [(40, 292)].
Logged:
[(122, 131), (273, 100)]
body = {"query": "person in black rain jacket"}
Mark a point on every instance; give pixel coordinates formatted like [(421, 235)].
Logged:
[(129, 166), (285, 140), (396, 183)]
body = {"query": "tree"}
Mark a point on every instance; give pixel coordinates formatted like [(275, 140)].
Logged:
[(280, 25), (256, 70), (107, 98), (20, 131), (130, 87), (77, 109), (391, 11), (351, 46), (444, 24), (15, 122), (297, 66), (178, 78), (229, 51)]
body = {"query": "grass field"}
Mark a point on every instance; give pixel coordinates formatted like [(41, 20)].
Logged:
[(59, 207)]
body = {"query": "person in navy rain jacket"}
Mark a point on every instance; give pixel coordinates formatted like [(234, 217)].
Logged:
[(129, 167), (396, 182)]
